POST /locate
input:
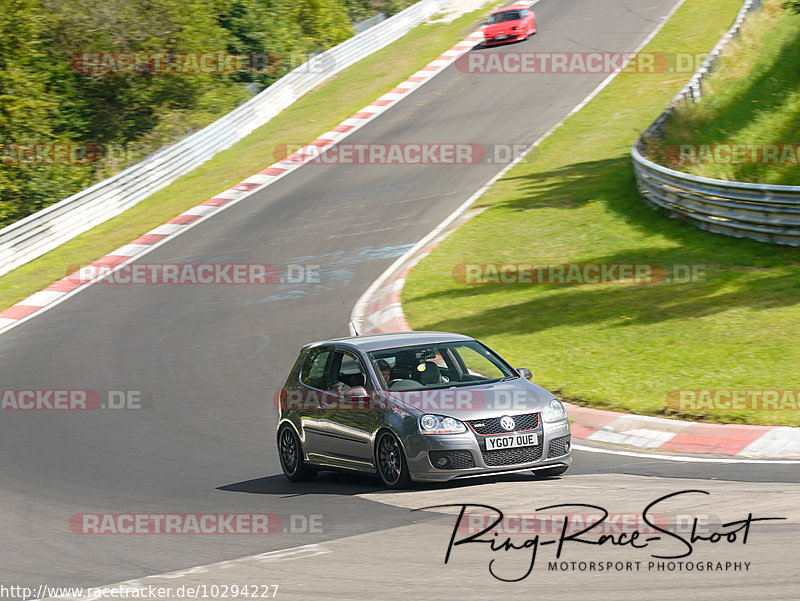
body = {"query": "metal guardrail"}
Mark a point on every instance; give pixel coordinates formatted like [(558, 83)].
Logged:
[(768, 213), (367, 23), (47, 229)]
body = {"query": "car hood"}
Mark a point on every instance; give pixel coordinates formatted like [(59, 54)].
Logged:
[(514, 397), (505, 27)]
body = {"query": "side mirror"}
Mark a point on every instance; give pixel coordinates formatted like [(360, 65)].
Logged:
[(525, 372), (357, 393)]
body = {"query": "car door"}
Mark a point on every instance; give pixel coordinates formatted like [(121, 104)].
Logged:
[(346, 427), (311, 394)]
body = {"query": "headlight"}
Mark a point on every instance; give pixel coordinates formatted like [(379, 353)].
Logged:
[(554, 411), (439, 424)]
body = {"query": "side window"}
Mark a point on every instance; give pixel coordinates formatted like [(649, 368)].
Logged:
[(349, 373), (439, 360), (479, 363), (314, 373), (523, 13)]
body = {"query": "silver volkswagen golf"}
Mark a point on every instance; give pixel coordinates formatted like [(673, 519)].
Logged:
[(416, 406)]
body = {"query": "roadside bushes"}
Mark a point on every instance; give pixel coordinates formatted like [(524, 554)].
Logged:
[(64, 126)]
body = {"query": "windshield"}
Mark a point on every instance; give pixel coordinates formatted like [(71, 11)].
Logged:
[(442, 365), (508, 15)]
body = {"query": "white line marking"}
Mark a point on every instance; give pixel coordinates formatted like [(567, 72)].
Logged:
[(294, 553)]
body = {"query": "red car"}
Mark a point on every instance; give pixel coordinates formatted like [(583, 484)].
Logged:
[(509, 25)]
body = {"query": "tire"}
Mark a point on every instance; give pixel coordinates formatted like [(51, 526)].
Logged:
[(290, 452), (550, 472), (391, 462)]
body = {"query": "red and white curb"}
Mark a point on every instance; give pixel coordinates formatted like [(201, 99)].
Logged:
[(72, 284), (657, 433)]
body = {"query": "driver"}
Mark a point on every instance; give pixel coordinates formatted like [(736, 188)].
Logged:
[(386, 371)]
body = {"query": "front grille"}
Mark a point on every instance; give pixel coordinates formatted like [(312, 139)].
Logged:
[(512, 456), (485, 427), (558, 446), (459, 460)]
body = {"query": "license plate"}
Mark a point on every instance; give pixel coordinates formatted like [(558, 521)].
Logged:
[(501, 37), (511, 442)]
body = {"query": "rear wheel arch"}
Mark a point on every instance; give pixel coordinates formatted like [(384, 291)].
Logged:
[(287, 422), (292, 454)]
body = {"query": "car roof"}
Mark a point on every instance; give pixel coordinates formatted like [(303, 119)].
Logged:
[(508, 9), (375, 342)]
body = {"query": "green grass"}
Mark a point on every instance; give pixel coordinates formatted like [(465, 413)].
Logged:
[(619, 347), (753, 98), (315, 113)]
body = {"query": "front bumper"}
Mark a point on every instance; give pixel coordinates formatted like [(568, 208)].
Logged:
[(513, 36), (549, 453)]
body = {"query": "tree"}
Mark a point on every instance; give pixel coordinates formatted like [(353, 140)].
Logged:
[(54, 87), (324, 21), (27, 115), (266, 28)]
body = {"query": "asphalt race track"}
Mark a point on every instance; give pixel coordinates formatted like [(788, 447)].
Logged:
[(209, 358)]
